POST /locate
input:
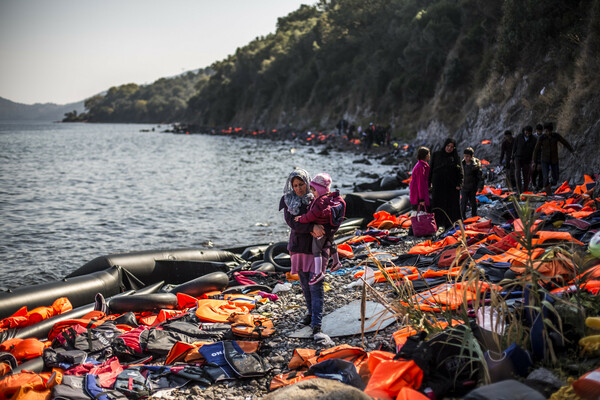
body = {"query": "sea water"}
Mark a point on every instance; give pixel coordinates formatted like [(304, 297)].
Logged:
[(73, 192)]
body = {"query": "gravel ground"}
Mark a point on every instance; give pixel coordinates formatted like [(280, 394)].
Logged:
[(286, 314)]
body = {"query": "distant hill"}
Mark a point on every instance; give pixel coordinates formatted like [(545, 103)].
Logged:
[(9, 110)]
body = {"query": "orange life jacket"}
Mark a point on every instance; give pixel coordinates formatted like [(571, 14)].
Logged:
[(390, 376), (188, 352), (428, 247), (212, 310), (363, 238), (23, 349), (22, 318), (560, 267), (345, 251), (449, 296), (288, 378), (90, 320), (587, 186), (395, 273), (153, 319), (254, 326), (544, 236), (564, 188), (31, 382)]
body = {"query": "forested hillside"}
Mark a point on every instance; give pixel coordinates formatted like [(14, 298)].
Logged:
[(162, 101), (429, 68)]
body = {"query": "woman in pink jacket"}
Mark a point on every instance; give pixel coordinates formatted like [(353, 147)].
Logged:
[(419, 182)]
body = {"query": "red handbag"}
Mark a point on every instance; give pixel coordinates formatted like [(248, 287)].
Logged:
[(423, 224)]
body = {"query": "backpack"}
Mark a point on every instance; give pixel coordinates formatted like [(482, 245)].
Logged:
[(133, 383)]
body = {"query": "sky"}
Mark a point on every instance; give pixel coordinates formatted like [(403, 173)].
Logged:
[(64, 51)]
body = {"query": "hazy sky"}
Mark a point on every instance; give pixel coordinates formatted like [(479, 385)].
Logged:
[(62, 51)]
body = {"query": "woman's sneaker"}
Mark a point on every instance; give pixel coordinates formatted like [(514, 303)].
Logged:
[(317, 278)]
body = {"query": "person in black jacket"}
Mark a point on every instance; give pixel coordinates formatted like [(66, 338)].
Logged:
[(472, 182), (506, 160), (523, 156), (547, 149), (536, 167), (446, 177)]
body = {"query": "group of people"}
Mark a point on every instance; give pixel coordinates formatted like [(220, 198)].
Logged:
[(532, 157), (453, 182)]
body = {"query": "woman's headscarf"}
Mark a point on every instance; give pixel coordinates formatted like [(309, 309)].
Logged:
[(291, 199)]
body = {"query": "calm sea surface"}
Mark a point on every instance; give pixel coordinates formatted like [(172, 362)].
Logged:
[(73, 192)]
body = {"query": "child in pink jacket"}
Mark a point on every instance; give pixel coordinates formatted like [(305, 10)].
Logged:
[(327, 209), (419, 182)]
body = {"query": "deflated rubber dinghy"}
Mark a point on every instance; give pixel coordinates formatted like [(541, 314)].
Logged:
[(396, 206), (157, 301), (41, 329), (153, 266), (365, 204), (80, 290), (117, 273)]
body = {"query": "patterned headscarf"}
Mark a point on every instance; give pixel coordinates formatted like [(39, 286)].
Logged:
[(291, 199)]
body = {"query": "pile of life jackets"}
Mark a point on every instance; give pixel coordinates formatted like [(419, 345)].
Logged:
[(205, 339), (458, 270)]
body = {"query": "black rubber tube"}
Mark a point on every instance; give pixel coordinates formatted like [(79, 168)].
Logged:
[(365, 204), (42, 328), (272, 251), (80, 290), (207, 283), (143, 264), (396, 206), (143, 302), (33, 365)]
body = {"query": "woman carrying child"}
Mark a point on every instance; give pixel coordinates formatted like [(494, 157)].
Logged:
[(327, 209), (294, 202)]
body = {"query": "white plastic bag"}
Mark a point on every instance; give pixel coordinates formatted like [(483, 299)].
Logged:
[(369, 277), (282, 287)]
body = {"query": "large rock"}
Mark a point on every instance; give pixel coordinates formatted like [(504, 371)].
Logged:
[(316, 389)]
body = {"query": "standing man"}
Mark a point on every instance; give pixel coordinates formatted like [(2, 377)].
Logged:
[(522, 156), (506, 160), (547, 147), (472, 182), (536, 168)]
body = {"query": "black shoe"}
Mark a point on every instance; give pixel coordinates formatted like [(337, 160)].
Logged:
[(316, 329), (306, 320)]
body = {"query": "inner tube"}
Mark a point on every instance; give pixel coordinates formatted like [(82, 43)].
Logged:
[(143, 264), (281, 264), (207, 283), (143, 302), (80, 290)]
